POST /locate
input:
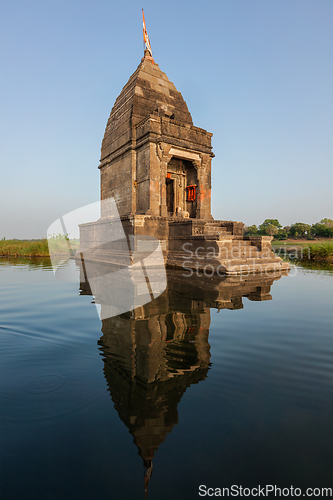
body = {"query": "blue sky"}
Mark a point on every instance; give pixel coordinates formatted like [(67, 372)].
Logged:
[(256, 73)]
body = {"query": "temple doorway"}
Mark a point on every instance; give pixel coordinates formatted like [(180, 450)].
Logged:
[(181, 187), (170, 196), (191, 189)]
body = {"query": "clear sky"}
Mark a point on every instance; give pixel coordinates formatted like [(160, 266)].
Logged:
[(256, 73)]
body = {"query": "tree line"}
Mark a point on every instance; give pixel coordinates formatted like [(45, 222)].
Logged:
[(272, 227)]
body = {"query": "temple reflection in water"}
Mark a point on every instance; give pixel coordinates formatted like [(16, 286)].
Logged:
[(155, 352)]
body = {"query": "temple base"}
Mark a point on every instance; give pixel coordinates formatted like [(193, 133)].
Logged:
[(212, 247)]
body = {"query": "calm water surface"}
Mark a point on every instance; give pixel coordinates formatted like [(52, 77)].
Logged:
[(215, 383)]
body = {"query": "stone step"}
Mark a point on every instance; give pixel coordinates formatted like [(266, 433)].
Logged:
[(259, 268), (263, 255), (217, 231), (225, 266), (201, 259), (249, 261), (238, 252), (242, 243), (248, 251), (216, 228), (216, 224)]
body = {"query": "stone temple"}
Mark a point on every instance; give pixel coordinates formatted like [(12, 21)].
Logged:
[(154, 161), (156, 165)]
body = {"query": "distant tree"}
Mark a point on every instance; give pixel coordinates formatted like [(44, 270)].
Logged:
[(322, 229), (269, 222), (251, 230), (271, 229), (274, 222), (287, 229), (299, 229), (327, 222), (282, 234)]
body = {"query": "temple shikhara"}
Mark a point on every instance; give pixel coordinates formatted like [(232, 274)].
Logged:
[(156, 165), (154, 161)]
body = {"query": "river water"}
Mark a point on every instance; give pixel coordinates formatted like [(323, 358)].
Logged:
[(214, 383)]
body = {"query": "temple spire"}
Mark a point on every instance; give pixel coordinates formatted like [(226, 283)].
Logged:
[(148, 52)]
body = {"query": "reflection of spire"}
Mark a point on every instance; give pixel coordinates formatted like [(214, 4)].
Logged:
[(148, 473), (154, 353), (151, 356)]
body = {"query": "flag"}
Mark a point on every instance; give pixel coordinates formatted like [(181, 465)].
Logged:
[(145, 35)]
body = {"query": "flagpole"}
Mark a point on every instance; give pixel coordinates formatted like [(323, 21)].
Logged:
[(146, 40)]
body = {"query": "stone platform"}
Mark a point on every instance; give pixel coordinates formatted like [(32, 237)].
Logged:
[(195, 245)]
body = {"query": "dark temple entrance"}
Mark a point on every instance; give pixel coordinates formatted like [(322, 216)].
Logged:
[(170, 195)]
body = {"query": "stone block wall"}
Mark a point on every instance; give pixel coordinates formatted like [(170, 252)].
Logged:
[(117, 182)]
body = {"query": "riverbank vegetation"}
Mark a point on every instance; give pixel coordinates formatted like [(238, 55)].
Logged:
[(298, 230), (59, 245), (299, 241), (24, 248), (321, 251), (318, 251)]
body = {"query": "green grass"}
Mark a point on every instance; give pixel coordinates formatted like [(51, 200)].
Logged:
[(302, 243), (318, 251), (37, 248), (16, 248), (321, 251)]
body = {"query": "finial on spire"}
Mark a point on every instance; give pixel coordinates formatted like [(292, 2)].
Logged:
[(148, 52)]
